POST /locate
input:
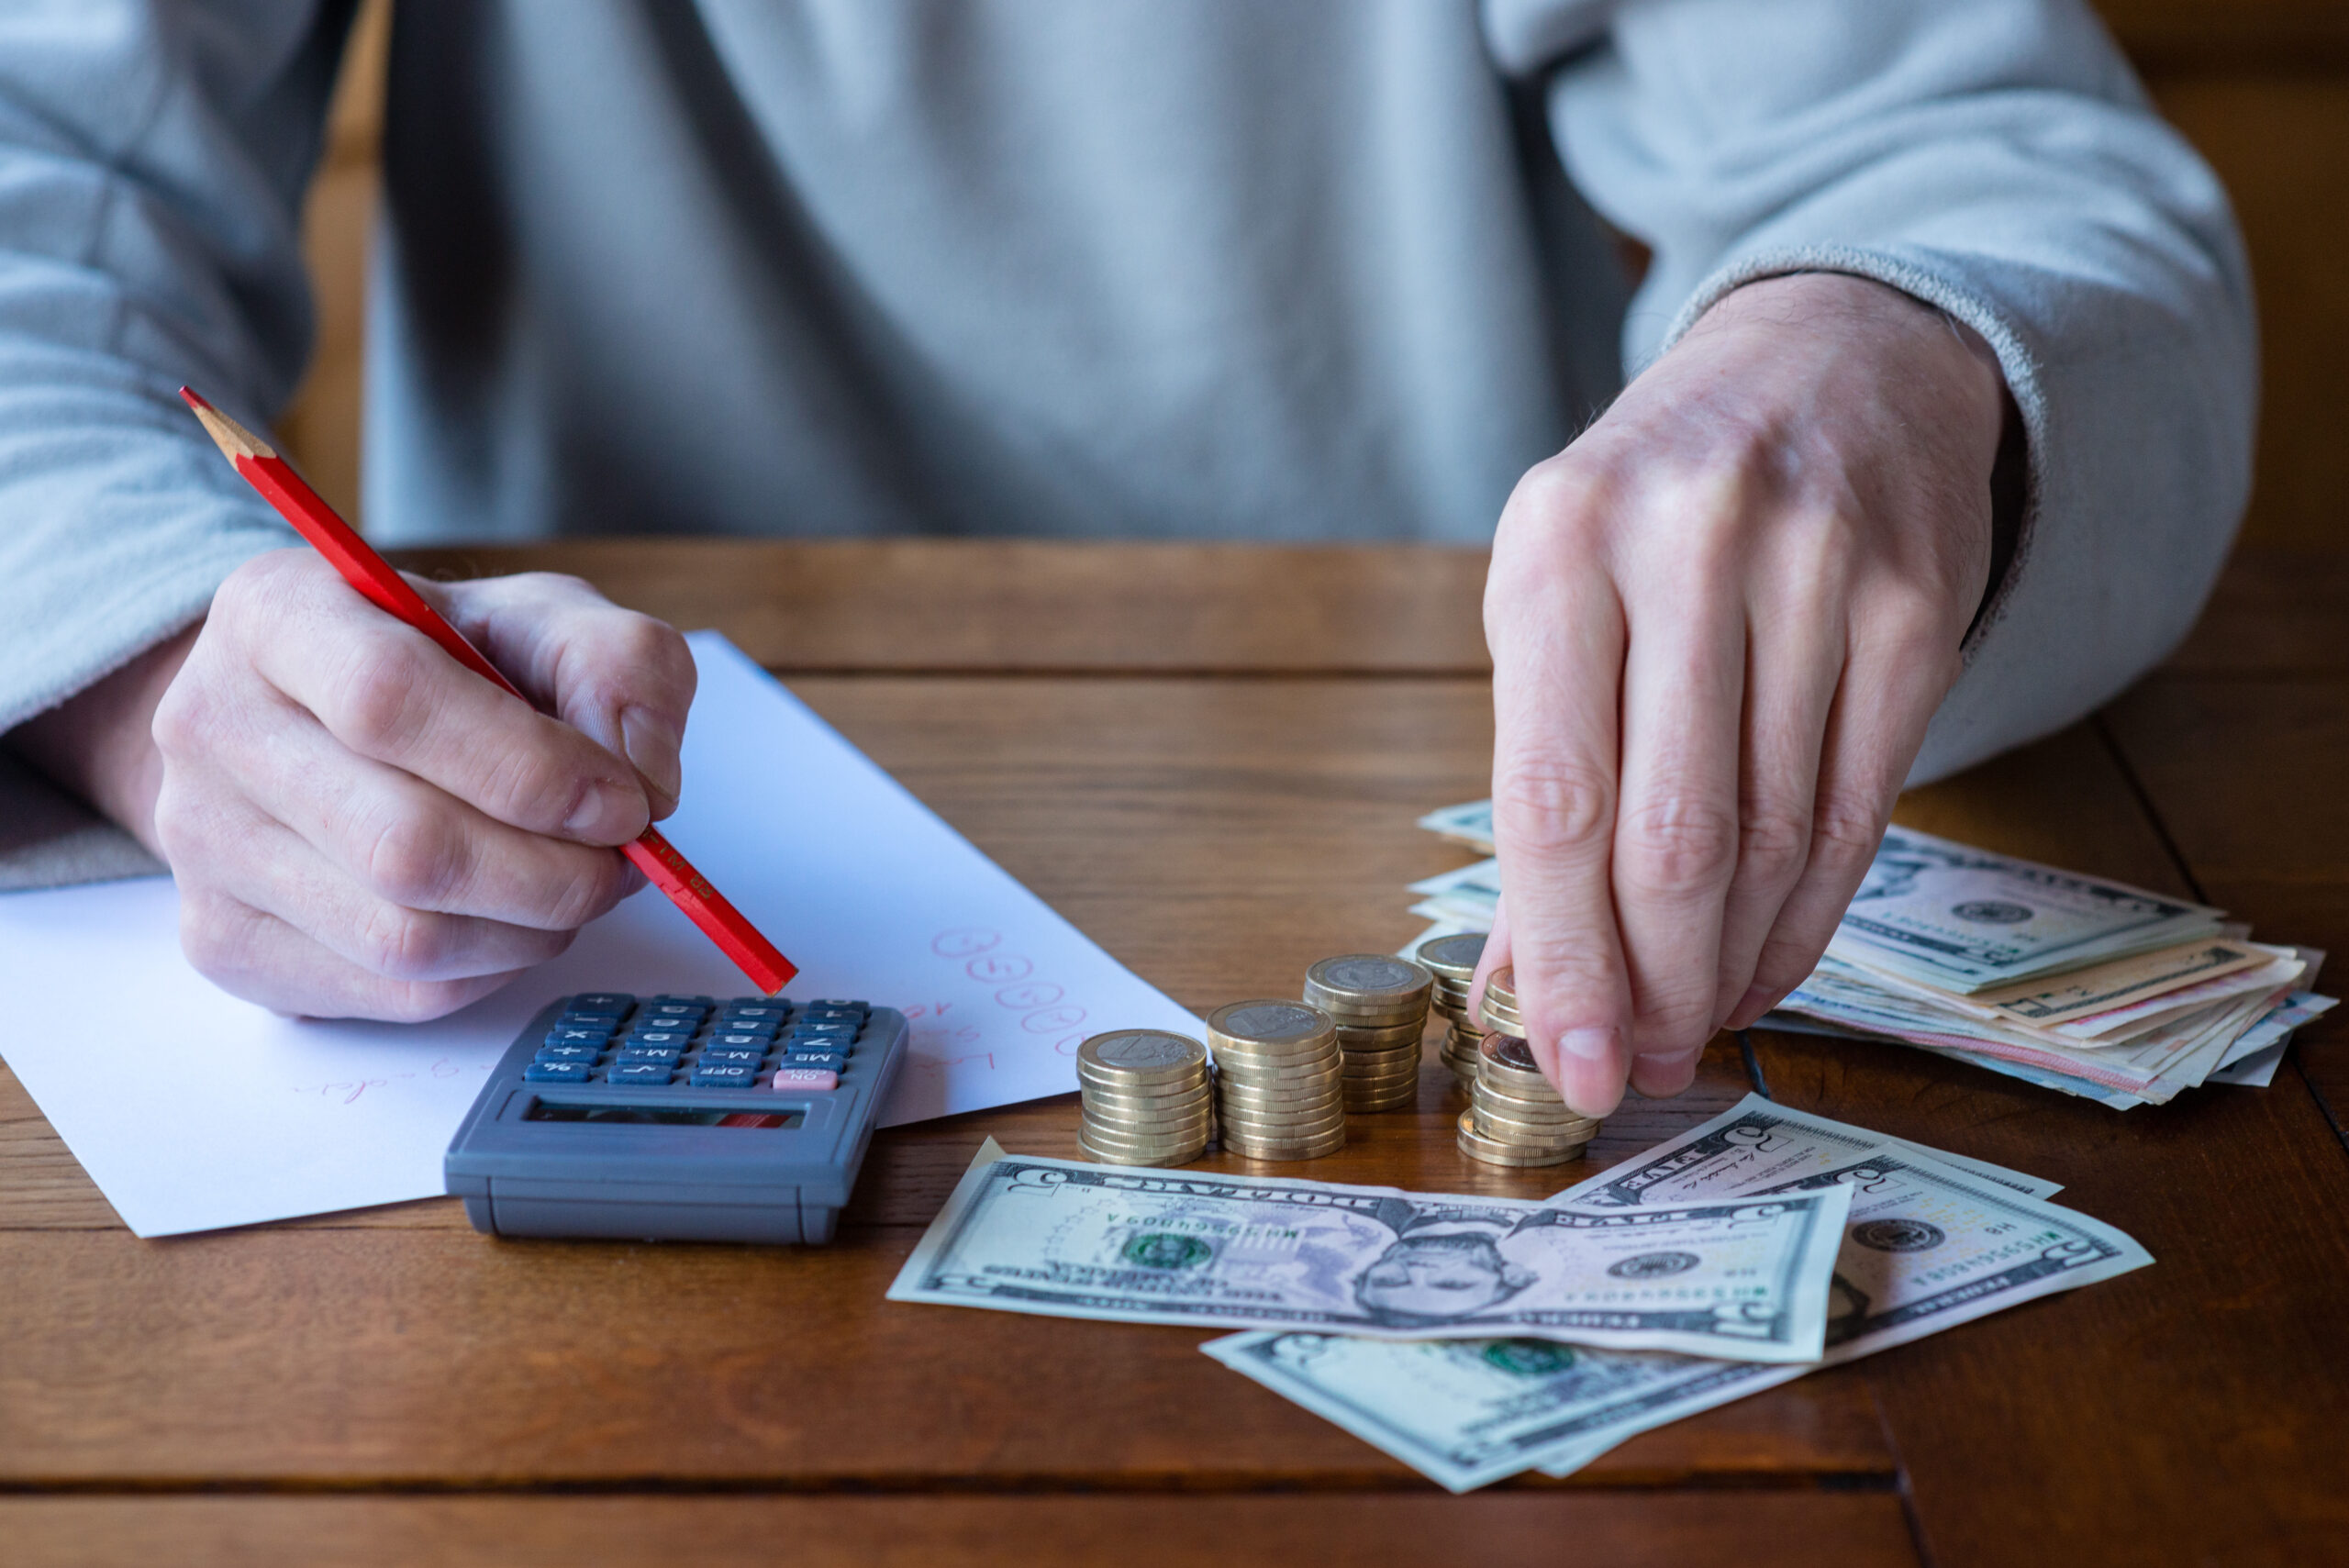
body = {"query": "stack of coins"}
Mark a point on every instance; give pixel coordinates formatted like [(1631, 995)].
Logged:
[(1380, 1006), (1145, 1099), (1514, 1118), (1452, 961), (1279, 1080)]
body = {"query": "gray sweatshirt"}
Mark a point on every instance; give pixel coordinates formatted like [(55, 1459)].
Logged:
[(1147, 269)]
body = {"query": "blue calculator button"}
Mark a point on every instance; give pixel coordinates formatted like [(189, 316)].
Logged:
[(701, 1004), (834, 1061), (678, 1037), (738, 1039), (820, 1034), (732, 1056), (568, 1050), (841, 1003), (763, 1011), (564, 1034), (643, 1074), (575, 1020), (656, 1055), (725, 1076), (555, 1073)]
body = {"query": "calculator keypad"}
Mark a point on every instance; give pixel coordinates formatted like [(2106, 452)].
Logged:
[(655, 1042)]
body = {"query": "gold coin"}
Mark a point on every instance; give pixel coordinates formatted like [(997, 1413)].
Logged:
[(1143, 1056), (1140, 1080), (1145, 1105), (1143, 1148), (1296, 1082), (1126, 1099), (1351, 1038), (1476, 1146), (1452, 958), (1252, 1058), (1170, 1126), (1313, 1151), (1268, 1022), (1367, 983), (1385, 1054), (1502, 1130), (1286, 1127), (1287, 1087)]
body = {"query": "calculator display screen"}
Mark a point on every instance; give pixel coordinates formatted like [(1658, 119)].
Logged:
[(659, 1115)]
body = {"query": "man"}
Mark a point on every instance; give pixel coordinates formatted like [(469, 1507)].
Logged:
[(1940, 426)]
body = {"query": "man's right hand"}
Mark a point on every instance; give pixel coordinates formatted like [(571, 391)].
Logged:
[(360, 826)]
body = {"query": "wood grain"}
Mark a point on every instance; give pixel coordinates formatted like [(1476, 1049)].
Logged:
[(2188, 1412), (1494, 1530), (2276, 612), (2252, 781), (441, 1358), (1037, 605)]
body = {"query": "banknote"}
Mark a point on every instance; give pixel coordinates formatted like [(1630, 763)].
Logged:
[(1470, 894), (1927, 1246), (1470, 823), (2107, 993), (1758, 1144), (1745, 1279), (1966, 919)]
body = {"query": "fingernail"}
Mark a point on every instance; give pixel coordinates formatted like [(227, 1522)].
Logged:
[(652, 743), (605, 814), (1590, 1045)]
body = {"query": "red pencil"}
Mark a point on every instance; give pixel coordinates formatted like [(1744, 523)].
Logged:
[(373, 575)]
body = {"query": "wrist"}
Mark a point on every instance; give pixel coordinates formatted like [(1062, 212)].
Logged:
[(100, 743), (1957, 360)]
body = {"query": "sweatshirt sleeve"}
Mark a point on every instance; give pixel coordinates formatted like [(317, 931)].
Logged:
[(152, 161), (1995, 159)]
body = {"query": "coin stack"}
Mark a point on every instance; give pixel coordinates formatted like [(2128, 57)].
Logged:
[(1514, 1116), (1452, 961), (1144, 1098), (1279, 1080), (1379, 1004)]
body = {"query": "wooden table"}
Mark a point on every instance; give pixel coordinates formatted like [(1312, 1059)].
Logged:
[(1210, 759)]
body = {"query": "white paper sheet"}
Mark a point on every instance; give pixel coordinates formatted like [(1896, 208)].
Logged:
[(193, 1110)]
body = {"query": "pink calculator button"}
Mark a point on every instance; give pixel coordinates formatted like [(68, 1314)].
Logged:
[(805, 1078)]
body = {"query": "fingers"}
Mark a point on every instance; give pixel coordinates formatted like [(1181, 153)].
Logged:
[(1890, 684), (258, 957), (624, 679), (361, 826), (388, 693), (1794, 662), (1557, 635), (401, 841), (1676, 835)]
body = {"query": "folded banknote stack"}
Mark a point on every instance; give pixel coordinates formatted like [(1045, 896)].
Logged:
[(2071, 982)]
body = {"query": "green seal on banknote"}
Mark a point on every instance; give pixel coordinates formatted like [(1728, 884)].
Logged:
[(1526, 1358), (1159, 1249)]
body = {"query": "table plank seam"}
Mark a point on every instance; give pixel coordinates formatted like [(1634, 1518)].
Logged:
[(2144, 798), (1124, 1483)]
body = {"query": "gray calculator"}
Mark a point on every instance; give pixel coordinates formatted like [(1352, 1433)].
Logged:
[(677, 1118)]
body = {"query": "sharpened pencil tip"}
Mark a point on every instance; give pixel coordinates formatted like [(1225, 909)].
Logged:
[(233, 440)]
